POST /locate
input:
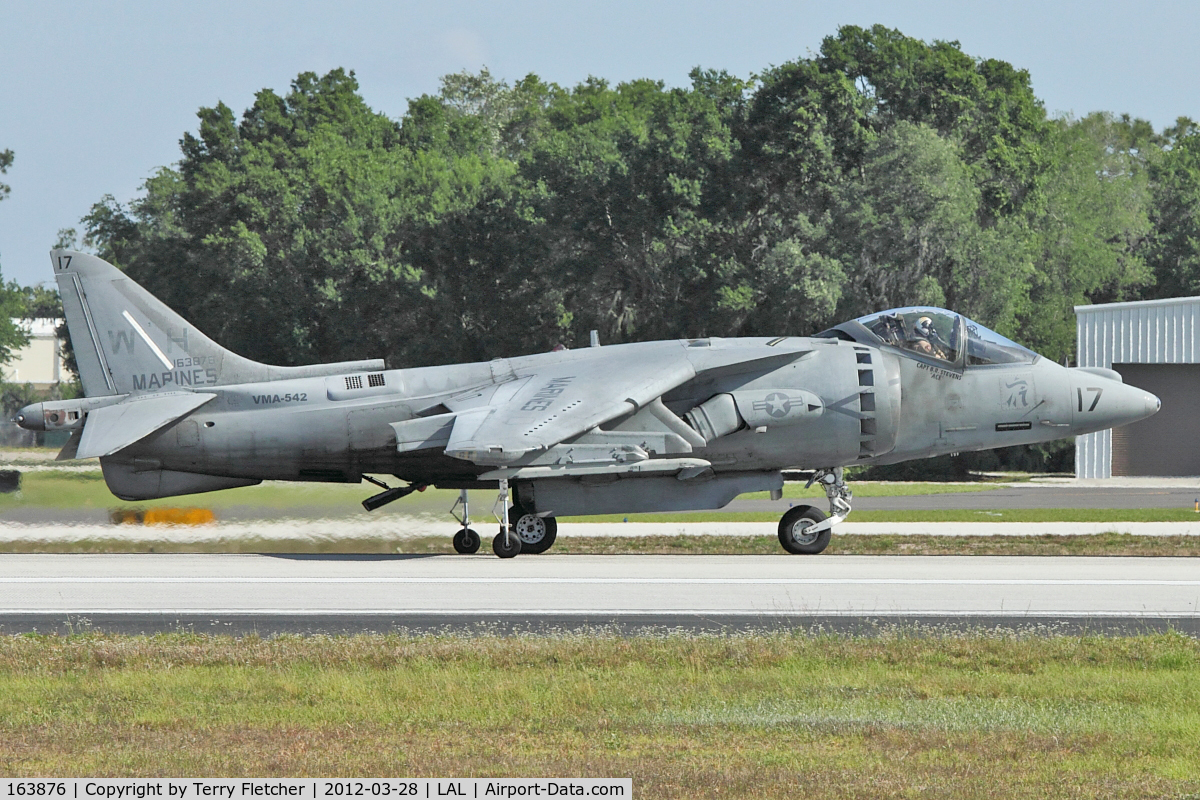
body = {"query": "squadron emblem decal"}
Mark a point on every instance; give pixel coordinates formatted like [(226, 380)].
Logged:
[(1018, 394)]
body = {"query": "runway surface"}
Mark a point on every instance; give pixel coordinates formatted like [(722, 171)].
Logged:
[(348, 593)]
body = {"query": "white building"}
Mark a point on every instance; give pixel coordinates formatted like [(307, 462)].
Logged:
[(40, 361), (1154, 345)]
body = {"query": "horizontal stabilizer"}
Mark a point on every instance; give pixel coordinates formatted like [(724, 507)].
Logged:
[(114, 428)]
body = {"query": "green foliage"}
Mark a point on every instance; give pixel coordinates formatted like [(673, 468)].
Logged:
[(19, 303), (40, 302), (6, 160), (494, 218), (912, 222), (1174, 246), (1090, 236), (15, 396), (12, 336)]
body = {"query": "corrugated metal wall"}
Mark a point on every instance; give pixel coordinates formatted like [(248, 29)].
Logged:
[(1149, 332)]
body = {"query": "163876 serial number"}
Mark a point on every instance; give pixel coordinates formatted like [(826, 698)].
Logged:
[(37, 789)]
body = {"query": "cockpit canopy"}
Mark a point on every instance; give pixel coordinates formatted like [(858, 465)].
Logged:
[(934, 334)]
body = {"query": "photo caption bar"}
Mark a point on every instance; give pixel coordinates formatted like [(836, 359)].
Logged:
[(316, 789)]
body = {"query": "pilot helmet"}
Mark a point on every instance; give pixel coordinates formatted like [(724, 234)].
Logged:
[(925, 326)]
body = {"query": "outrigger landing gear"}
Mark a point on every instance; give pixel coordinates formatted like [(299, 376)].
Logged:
[(506, 544), (807, 530), (466, 541)]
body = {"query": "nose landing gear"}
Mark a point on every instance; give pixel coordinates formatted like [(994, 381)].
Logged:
[(805, 530)]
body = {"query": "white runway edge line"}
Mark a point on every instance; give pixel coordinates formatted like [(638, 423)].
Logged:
[(614, 581)]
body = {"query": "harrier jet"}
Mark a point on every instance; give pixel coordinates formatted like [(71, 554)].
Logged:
[(652, 426)]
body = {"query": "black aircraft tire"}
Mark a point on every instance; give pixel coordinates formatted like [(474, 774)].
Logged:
[(505, 549), (466, 541), (796, 520), (537, 534)]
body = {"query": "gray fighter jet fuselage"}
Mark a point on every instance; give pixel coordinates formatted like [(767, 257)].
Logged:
[(652, 426)]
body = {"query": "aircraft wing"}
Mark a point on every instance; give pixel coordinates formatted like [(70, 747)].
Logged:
[(115, 427), (537, 410)]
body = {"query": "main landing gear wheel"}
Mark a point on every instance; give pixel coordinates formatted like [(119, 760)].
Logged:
[(466, 541), (792, 527), (506, 546), (536, 533)]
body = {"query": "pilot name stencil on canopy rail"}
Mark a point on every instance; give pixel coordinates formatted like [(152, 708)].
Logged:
[(650, 426)]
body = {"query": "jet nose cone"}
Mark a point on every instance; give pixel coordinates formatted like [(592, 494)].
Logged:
[(30, 418), (1104, 403), (1129, 404)]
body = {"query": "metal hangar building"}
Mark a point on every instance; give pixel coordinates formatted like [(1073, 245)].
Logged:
[(1154, 345)]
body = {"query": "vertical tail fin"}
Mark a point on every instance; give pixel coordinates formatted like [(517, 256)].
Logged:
[(128, 341)]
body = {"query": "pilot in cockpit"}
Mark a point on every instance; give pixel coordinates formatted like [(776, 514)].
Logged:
[(927, 341)]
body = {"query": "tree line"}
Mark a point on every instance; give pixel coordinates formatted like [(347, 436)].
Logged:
[(498, 218)]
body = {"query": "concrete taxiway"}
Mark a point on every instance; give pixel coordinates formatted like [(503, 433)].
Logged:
[(347, 593)]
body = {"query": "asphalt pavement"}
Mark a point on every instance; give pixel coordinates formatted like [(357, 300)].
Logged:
[(278, 593)]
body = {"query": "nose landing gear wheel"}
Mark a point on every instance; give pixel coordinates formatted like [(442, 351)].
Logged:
[(792, 527), (506, 549), (466, 541), (536, 533)]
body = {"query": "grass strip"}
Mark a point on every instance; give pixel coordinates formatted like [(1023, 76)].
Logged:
[(1105, 544), (53, 489), (86, 490), (60, 489), (942, 715)]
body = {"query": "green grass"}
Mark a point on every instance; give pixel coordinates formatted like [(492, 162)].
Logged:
[(75, 490), (82, 490), (901, 715), (62, 489)]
